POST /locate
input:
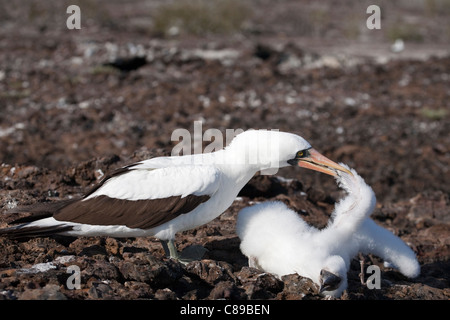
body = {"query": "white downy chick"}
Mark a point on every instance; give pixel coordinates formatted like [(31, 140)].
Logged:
[(277, 240)]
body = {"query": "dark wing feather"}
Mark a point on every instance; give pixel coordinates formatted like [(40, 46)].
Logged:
[(23, 231), (143, 214), (40, 210)]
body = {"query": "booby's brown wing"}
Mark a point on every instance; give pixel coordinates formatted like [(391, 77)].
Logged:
[(142, 214), (144, 198), (38, 210)]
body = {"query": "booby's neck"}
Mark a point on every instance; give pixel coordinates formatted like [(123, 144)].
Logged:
[(236, 165)]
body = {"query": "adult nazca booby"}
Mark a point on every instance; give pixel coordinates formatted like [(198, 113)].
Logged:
[(165, 195)]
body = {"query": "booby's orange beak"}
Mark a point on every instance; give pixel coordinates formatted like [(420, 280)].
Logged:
[(311, 159)]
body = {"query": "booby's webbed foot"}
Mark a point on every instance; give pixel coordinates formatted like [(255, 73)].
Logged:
[(189, 254), (192, 253)]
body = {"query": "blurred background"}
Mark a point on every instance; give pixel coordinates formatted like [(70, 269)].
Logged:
[(378, 100)]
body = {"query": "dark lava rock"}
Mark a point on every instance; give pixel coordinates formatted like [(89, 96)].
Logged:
[(99, 269), (258, 284), (127, 64), (227, 290), (298, 288), (165, 294), (99, 290), (211, 271), (143, 267), (262, 186), (49, 292)]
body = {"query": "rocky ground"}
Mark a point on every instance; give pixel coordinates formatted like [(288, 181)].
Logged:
[(68, 118)]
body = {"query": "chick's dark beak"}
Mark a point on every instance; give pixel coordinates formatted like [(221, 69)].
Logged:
[(328, 281), (316, 161)]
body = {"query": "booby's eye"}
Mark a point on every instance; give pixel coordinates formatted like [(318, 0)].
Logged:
[(301, 154)]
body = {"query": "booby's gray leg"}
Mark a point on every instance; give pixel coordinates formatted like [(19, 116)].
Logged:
[(169, 249), (173, 250), (165, 247)]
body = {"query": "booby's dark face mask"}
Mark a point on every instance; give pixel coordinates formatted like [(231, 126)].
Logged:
[(311, 159)]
